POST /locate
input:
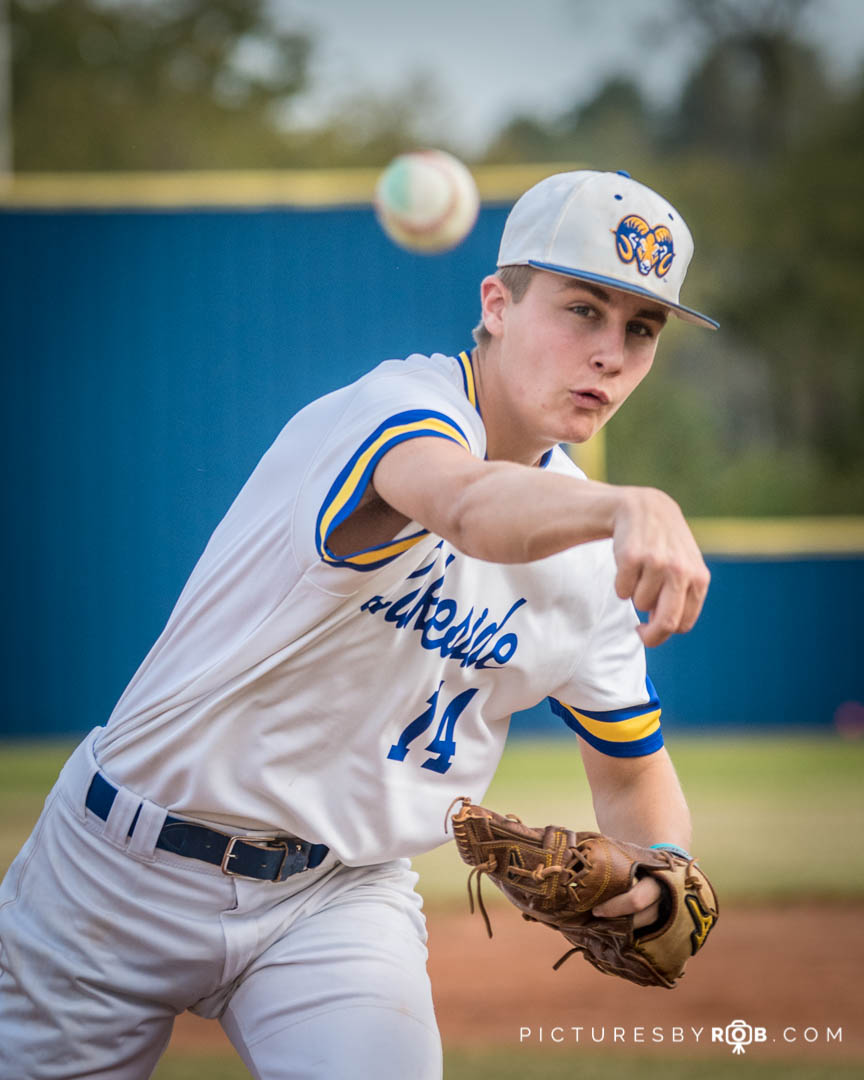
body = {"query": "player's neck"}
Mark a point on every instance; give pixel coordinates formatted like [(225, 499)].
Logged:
[(506, 437)]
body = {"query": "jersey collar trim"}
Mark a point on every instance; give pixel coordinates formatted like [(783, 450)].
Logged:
[(468, 382)]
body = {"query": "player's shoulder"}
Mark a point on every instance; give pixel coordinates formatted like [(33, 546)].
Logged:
[(416, 381), (420, 387), (396, 400), (450, 375)]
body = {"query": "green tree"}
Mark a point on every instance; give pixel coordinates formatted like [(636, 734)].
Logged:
[(169, 85), (616, 126), (757, 87), (765, 157), (613, 125), (369, 129), (798, 295), (526, 138)]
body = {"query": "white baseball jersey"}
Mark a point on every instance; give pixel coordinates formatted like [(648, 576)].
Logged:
[(348, 700)]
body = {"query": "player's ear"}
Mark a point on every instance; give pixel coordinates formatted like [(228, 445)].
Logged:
[(494, 298)]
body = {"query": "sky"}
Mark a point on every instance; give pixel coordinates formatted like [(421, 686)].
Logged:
[(493, 58)]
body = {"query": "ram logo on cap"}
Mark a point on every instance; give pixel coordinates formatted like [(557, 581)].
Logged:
[(651, 249), (585, 224)]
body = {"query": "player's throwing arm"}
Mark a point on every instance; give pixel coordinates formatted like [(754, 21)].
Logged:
[(509, 513)]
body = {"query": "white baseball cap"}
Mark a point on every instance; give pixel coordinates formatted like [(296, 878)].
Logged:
[(606, 228)]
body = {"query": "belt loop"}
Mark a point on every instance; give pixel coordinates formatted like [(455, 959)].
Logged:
[(123, 810), (146, 830)]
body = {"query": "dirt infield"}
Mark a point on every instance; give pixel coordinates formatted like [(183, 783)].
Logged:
[(793, 972)]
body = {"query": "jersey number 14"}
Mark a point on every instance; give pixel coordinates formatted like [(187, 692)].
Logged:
[(443, 746)]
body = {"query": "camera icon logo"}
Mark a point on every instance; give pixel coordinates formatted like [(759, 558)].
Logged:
[(739, 1034)]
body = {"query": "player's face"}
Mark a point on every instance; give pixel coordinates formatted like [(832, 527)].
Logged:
[(572, 353)]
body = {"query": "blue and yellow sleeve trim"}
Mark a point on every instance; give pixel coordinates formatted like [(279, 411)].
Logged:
[(632, 732), (348, 488)]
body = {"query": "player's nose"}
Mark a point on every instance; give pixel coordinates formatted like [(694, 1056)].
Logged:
[(607, 353)]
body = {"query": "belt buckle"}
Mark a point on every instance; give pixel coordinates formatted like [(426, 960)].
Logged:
[(268, 843)]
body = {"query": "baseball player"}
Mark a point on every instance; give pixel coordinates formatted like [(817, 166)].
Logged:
[(413, 559)]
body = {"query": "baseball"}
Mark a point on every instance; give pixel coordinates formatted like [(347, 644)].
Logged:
[(426, 201)]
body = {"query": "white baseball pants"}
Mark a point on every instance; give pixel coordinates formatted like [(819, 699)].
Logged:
[(104, 939)]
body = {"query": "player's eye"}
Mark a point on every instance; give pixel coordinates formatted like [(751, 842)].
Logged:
[(583, 309), (640, 329)]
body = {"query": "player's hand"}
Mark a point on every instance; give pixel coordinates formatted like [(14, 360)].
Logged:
[(642, 902), (660, 566)]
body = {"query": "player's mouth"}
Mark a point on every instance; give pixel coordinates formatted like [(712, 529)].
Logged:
[(590, 399)]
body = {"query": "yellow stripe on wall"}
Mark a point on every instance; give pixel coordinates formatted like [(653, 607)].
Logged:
[(637, 727), (780, 536), (246, 187)]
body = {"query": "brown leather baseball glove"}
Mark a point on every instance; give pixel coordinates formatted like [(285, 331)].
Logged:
[(556, 876)]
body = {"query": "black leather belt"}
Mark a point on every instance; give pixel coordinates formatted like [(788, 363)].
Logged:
[(260, 858)]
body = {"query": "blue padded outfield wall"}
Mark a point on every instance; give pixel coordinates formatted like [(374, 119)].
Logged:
[(151, 356)]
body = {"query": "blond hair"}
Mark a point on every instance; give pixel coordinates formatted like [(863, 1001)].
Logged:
[(516, 279)]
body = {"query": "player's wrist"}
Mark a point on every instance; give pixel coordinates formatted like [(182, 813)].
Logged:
[(672, 847), (610, 505)]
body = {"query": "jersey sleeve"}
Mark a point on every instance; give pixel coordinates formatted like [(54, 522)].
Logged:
[(608, 699), (399, 401)]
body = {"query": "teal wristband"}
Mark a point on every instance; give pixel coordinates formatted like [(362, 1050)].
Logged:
[(674, 847)]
